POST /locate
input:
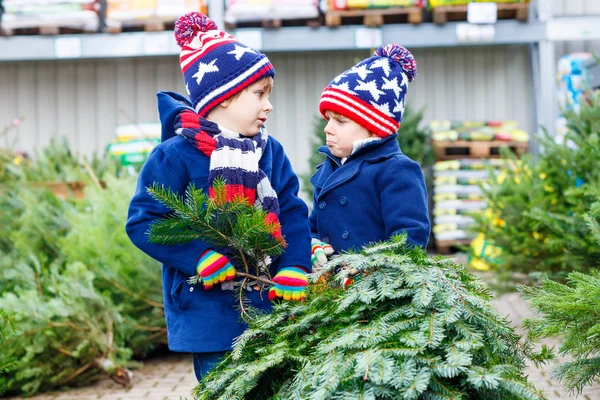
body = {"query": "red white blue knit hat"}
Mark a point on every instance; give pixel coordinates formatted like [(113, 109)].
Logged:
[(372, 92), (215, 65)]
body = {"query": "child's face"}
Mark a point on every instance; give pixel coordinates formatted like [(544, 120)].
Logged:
[(341, 133), (247, 112)]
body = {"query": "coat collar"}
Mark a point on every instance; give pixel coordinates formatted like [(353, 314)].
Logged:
[(373, 151), (381, 149)]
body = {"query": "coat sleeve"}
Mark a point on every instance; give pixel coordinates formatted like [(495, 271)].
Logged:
[(404, 201), (143, 210), (293, 212)]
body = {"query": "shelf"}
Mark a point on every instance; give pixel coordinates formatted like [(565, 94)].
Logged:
[(144, 44)]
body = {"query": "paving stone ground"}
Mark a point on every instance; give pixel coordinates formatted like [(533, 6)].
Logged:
[(172, 377)]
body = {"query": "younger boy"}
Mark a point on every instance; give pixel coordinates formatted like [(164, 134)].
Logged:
[(220, 133), (366, 190)]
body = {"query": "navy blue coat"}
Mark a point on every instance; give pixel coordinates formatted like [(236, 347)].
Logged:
[(375, 194), (206, 320)]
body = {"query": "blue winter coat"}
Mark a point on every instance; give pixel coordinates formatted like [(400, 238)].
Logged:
[(375, 194), (198, 320)]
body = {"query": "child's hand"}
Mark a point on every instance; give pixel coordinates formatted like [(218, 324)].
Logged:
[(320, 251), (214, 268), (290, 284)]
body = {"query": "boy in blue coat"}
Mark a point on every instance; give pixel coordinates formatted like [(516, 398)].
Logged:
[(220, 133), (366, 190)]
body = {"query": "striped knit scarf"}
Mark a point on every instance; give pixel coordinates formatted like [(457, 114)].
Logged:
[(235, 160)]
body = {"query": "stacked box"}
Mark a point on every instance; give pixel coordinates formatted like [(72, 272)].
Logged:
[(24, 14), (133, 143), (457, 194), (477, 131), (457, 184), (364, 4), (444, 3), (120, 12), (260, 10)]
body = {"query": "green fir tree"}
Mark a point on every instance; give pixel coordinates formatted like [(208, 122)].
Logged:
[(409, 326), (570, 312), (538, 208)]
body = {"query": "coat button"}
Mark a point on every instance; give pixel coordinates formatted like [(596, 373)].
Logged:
[(343, 200), (322, 205), (325, 239), (345, 235), (192, 289)]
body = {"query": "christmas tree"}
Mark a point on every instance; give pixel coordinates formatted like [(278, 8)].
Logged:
[(409, 326), (570, 312), (538, 208), (232, 224)]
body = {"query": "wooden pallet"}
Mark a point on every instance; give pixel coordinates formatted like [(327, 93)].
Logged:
[(147, 25), (374, 17), (276, 23), (475, 149), (450, 246), (518, 11), (45, 30)]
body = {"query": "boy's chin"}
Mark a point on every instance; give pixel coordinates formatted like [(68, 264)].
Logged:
[(249, 134)]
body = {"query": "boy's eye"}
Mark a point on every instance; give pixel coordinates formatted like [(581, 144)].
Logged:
[(260, 92)]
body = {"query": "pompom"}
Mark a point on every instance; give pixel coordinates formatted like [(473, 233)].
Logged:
[(401, 56), (188, 26)]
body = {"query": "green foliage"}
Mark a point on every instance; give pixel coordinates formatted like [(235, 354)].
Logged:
[(234, 224), (7, 364), (570, 311), (543, 204), (122, 273), (86, 300), (66, 331), (410, 326), (413, 142)]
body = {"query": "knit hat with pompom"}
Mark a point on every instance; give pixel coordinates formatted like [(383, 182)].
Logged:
[(215, 65), (372, 92)]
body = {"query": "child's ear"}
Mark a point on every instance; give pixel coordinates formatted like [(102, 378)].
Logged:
[(226, 103)]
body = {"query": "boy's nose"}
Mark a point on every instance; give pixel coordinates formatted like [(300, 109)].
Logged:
[(268, 107), (328, 130)]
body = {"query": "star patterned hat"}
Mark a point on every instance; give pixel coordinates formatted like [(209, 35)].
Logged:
[(372, 92), (215, 64)]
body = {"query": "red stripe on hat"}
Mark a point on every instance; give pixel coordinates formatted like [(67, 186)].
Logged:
[(349, 98), (203, 51), (244, 84), (337, 108)]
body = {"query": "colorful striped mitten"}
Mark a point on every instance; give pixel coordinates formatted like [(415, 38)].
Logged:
[(214, 268), (320, 251), (290, 284)]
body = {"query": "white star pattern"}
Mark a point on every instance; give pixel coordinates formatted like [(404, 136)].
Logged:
[(204, 69), (382, 63), (344, 86), (404, 80), (187, 88), (370, 87), (337, 78), (362, 71), (392, 84), (384, 108), (239, 51), (399, 106)]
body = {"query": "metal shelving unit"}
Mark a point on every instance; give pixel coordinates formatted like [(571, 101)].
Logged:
[(539, 34)]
